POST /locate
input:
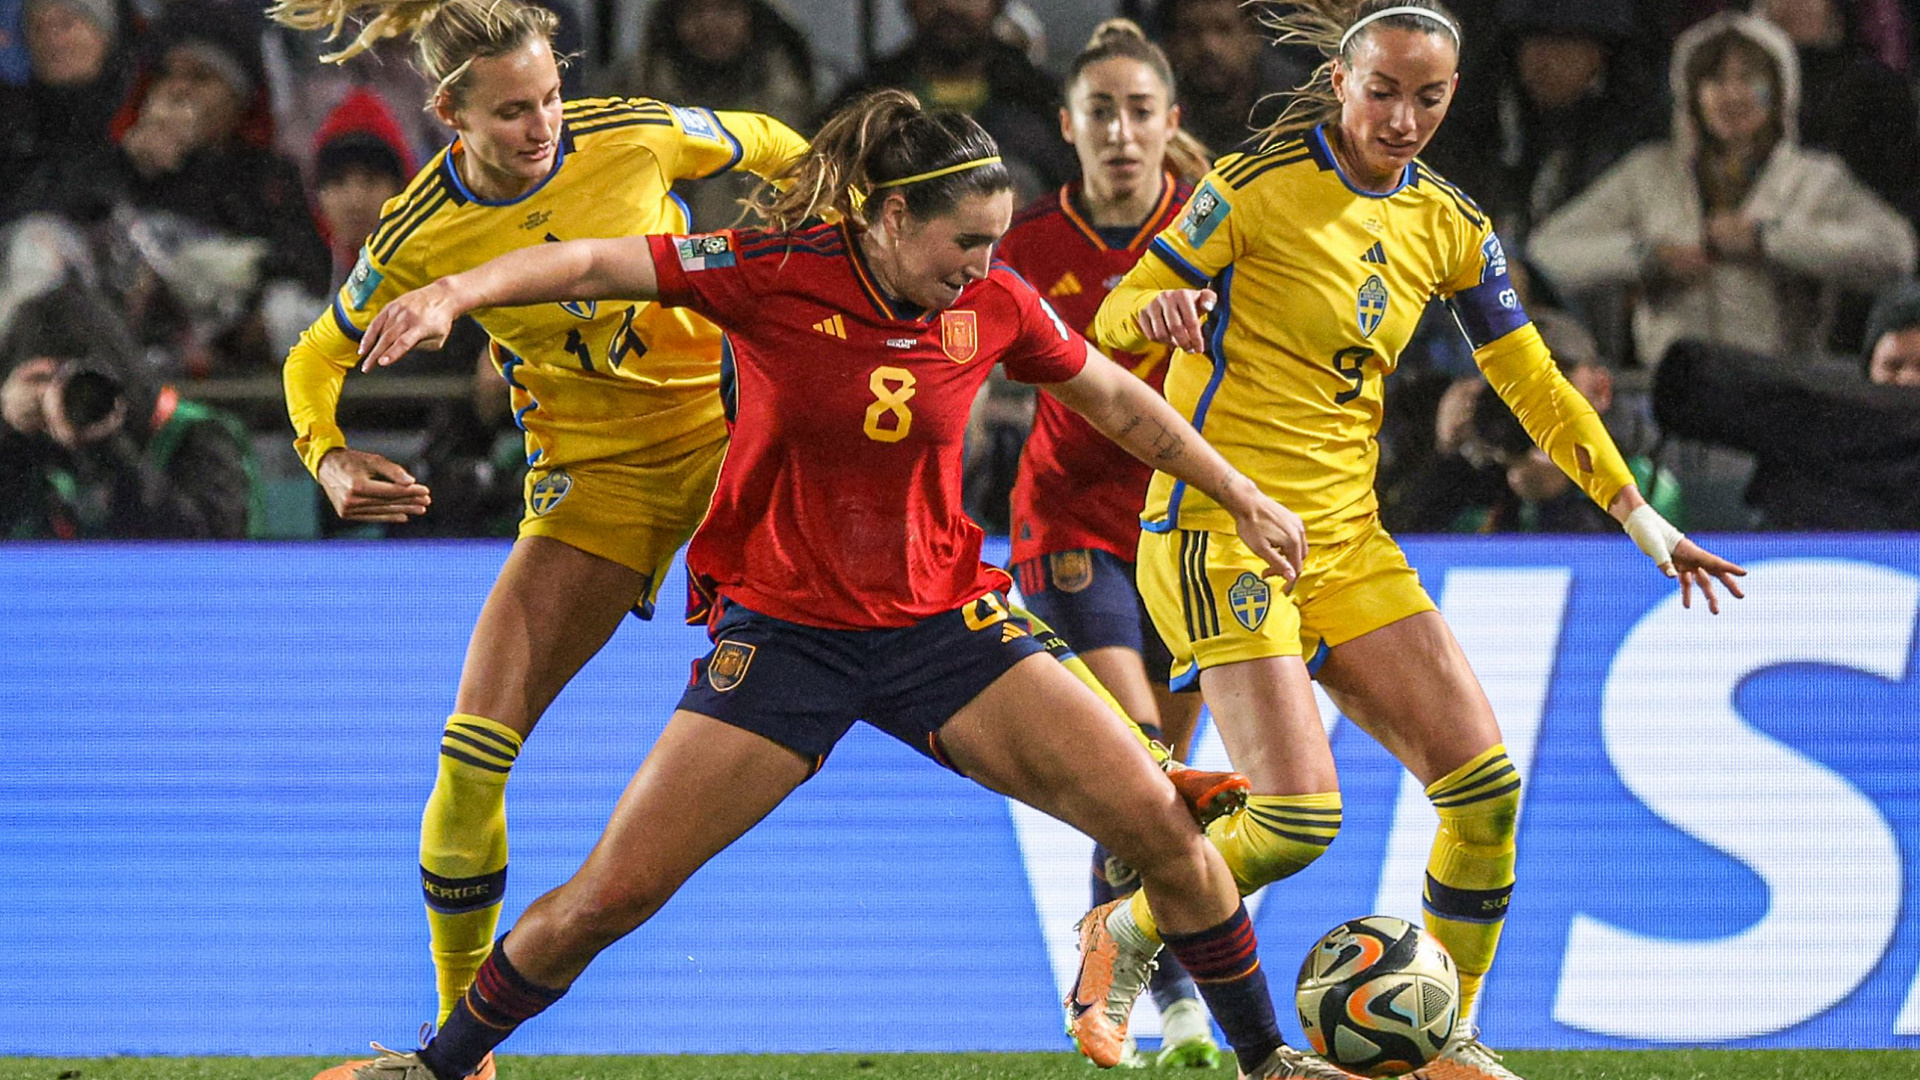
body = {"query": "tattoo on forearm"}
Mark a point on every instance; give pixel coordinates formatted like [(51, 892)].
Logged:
[(1167, 446), (1126, 429)]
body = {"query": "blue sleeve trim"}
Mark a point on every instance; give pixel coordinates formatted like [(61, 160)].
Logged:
[(1180, 266), (1164, 525), (1488, 312), (345, 324), (685, 210), (1319, 658), (739, 151)]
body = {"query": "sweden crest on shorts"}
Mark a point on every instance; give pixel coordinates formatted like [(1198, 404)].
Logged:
[(1249, 598), (729, 664), (1370, 306), (549, 490)]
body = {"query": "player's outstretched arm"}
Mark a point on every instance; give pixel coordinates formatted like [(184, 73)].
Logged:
[(1670, 550), (1127, 410), (572, 270)]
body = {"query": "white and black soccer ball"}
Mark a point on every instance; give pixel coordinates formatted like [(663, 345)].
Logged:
[(1378, 996)]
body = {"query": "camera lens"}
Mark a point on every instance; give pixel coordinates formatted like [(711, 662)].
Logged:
[(89, 396)]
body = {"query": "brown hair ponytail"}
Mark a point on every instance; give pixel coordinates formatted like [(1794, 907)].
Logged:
[(1123, 38), (1324, 24), (879, 143), (448, 35)]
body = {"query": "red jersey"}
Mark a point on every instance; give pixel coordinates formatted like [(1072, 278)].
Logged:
[(1076, 488), (839, 502)]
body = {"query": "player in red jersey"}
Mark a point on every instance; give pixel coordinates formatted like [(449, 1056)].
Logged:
[(1077, 498), (849, 580)]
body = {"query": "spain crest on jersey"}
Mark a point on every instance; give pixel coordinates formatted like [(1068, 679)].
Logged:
[(1370, 306), (728, 664), (1249, 598), (959, 335), (549, 490)]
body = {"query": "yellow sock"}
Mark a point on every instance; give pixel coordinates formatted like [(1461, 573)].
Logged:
[(1050, 639), (463, 849), (1271, 838), (1470, 872)]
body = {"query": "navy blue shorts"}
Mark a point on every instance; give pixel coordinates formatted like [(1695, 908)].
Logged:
[(1088, 595), (804, 686)]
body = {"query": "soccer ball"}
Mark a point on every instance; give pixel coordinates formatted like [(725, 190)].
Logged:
[(1378, 996)]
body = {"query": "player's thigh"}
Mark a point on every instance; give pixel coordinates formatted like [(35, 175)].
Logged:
[(703, 785), (1124, 674), (1233, 632), (1408, 684), (1082, 765), (1179, 718), (550, 610)]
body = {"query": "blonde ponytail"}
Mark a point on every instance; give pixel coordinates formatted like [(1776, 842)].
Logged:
[(1323, 25), (448, 35)]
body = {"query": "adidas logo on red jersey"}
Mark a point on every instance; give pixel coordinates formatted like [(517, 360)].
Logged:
[(1068, 285), (834, 326)]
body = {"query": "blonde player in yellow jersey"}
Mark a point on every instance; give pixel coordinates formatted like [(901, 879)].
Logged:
[(1290, 284), (620, 402)]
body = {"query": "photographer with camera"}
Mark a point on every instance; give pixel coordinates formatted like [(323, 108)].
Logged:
[(94, 451)]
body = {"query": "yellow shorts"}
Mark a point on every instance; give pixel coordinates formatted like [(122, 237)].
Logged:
[(637, 515), (1212, 606)]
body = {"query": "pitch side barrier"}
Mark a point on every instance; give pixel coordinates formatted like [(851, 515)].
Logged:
[(215, 759)]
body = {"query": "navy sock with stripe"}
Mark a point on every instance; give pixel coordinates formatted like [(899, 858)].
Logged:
[(1224, 961), (500, 1000)]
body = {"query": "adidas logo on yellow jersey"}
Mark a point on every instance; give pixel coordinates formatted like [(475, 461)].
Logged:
[(832, 327)]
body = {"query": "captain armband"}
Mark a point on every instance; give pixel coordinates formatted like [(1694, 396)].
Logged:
[(1490, 310)]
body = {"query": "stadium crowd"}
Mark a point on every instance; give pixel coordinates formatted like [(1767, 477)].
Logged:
[(1711, 214)]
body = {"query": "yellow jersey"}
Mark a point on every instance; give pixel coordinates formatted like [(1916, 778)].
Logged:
[(1320, 286), (589, 380)]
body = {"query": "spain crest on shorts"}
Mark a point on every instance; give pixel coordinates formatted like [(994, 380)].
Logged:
[(1071, 571), (548, 491), (1249, 598), (728, 664), (959, 335), (1370, 306)]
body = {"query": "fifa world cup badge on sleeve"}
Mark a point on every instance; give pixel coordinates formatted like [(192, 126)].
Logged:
[(1494, 259), (729, 664), (959, 335), (697, 122), (711, 251), (1205, 211), (1249, 598), (363, 281)]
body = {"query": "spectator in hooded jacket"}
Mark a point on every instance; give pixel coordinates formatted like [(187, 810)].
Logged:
[(1729, 230), (56, 124)]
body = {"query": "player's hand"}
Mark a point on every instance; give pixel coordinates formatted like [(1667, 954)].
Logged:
[(1174, 317), (421, 319), (1271, 531), (1696, 566), (366, 487)]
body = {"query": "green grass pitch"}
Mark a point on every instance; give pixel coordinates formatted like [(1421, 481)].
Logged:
[(1534, 1065)]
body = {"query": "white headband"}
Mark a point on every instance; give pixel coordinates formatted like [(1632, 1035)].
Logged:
[(1425, 13)]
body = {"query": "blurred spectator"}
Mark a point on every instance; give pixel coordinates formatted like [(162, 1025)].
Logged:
[(95, 450), (954, 61), (56, 129), (1837, 444), (1853, 105), (1729, 230), (1225, 69), (723, 54), (306, 93), (475, 461), (360, 160), (1574, 101), (1485, 474), (218, 219)]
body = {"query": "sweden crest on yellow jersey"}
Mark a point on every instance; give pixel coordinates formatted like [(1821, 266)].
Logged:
[(1249, 597), (729, 664), (1370, 306), (549, 490)]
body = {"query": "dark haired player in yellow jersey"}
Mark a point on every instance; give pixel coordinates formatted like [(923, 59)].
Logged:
[(620, 401), (1290, 284)]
